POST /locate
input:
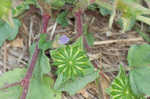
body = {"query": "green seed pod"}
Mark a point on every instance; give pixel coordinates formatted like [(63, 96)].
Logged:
[(71, 61), (120, 87)]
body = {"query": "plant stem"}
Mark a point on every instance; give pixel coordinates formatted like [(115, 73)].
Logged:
[(11, 85), (45, 19), (78, 17), (26, 81), (79, 26)]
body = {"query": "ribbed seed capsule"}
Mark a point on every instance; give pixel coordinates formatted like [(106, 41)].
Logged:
[(70, 60)]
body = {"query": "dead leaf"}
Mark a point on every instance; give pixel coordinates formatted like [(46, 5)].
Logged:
[(18, 42)]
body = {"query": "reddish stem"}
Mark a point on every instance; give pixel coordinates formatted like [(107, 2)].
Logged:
[(45, 19), (79, 26), (78, 17), (26, 81), (10, 85)]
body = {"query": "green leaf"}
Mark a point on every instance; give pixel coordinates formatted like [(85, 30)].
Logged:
[(93, 7), (8, 32), (40, 89), (5, 7), (104, 11), (120, 87), (139, 60), (57, 3), (139, 80), (20, 9), (43, 43), (62, 19), (127, 23), (42, 66), (8, 78), (139, 55), (89, 37), (73, 86)]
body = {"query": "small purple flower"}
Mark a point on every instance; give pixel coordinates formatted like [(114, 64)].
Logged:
[(63, 39)]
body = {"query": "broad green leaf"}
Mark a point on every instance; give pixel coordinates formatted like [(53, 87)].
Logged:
[(139, 80), (120, 87), (73, 86), (139, 55), (40, 89), (8, 32), (62, 19), (8, 78)]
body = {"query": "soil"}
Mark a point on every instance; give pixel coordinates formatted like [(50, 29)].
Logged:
[(108, 52)]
